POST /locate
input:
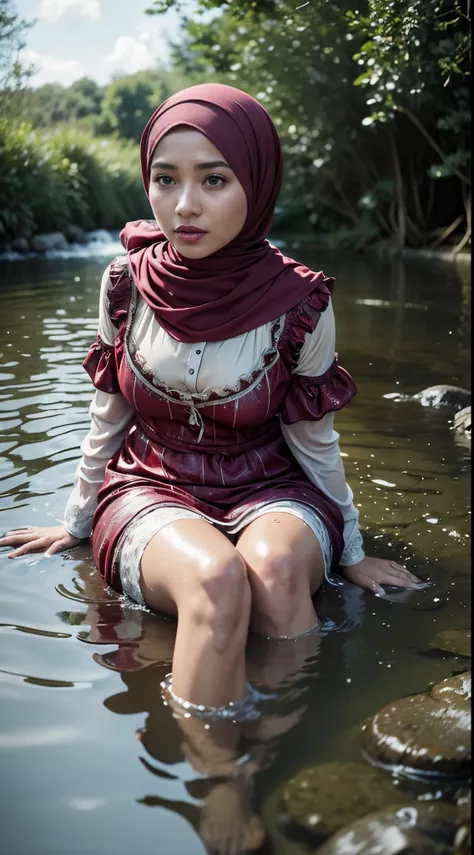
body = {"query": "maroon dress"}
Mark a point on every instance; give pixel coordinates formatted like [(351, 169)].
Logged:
[(222, 457)]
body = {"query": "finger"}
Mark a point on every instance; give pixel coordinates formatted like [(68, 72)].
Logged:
[(400, 581), (18, 538), (13, 531), (403, 572), (369, 584), (27, 548), (57, 547)]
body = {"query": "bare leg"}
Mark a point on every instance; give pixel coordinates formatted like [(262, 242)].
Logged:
[(285, 568), (192, 570)]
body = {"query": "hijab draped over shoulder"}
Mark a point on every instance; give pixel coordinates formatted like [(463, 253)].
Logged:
[(248, 282)]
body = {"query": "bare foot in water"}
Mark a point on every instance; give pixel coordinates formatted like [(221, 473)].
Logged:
[(229, 825)]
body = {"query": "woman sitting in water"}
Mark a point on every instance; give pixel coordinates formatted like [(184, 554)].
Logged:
[(211, 478)]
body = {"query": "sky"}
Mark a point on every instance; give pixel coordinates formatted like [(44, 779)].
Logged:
[(95, 38)]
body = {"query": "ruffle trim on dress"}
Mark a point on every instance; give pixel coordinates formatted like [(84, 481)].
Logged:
[(303, 319), (311, 398), (119, 291), (101, 366), (224, 395)]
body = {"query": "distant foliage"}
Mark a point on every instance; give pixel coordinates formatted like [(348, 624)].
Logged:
[(13, 73), (69, 155), (48, 181), (371, 101)]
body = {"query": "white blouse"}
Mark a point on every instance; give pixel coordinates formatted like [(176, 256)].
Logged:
[(195, 370)]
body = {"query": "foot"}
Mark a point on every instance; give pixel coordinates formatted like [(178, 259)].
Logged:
[(229, 825)]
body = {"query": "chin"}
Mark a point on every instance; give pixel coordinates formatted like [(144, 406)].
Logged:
[(195, 251)]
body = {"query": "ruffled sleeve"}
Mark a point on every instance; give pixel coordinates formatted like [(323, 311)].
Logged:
[(100, 362), (101, 366), (318, 385)]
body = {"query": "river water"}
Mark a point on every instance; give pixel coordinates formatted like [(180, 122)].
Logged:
[(92, 760)]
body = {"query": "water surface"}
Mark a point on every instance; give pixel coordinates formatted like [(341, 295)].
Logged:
[(92, 761)]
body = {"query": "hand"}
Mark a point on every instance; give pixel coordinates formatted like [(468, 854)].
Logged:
[(372, 573), (46, 539)]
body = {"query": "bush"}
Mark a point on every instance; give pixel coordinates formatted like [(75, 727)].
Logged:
[(49, 180)]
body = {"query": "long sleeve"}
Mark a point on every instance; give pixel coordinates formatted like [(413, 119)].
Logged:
[(110, 416), (315, 443)]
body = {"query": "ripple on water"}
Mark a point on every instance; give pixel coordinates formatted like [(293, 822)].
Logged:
[(406, 472)]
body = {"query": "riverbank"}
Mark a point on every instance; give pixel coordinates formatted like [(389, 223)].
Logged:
[(75, 242)]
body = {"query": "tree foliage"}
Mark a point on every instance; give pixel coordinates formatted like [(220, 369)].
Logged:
[(370, 99), (61, 177), (13, 73)]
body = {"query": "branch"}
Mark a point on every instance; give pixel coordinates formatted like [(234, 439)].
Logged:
[(432, 142)]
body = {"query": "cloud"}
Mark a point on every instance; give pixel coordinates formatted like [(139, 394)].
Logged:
[(47, 69), (132, 54), (52, 10)]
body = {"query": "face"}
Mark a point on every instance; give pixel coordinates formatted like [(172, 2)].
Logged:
[(194, 194)]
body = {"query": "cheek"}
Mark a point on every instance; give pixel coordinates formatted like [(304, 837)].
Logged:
[(235, 213)]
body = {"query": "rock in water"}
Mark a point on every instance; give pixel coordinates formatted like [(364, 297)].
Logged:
[(323, 798), (398, 830), (444, 396), (453, 641), (75, 234), (462, 421), (463, 841), (48, 242), (20, 244), (426, 733)]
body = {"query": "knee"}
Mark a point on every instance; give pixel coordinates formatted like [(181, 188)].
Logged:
[(277, 579), (219, 598)]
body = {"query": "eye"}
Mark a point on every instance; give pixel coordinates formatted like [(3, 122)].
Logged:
[(163, 180), (216, 180)]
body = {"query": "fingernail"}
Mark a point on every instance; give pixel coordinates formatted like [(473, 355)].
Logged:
[(379, 592)]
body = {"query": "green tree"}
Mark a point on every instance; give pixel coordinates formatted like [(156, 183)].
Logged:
[(83, 98), (13, 73), (128, 102), (47, 105), (400, 174), (416, 56)]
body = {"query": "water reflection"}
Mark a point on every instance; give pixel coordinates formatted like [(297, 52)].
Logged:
[(75, 662), (223, 756)]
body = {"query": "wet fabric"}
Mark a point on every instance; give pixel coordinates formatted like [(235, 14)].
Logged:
[(221, 457)]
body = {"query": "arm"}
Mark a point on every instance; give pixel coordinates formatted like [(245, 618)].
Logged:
[(315, 445), (110, 416)]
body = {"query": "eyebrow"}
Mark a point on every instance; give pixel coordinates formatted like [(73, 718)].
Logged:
[(213, 164)]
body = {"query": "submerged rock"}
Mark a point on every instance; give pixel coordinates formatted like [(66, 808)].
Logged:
[(453, 641), (426, 733), (443, 396), (398, 830), (323, 798)]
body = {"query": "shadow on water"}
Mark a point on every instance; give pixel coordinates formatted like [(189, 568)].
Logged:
[(92, 758)]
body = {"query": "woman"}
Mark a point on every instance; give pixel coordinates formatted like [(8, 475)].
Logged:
[(211, 478)]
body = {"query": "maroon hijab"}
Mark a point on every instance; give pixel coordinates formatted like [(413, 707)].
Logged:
[(246, 283)]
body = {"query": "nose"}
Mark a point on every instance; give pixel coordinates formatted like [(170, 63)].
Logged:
[(188, 203)]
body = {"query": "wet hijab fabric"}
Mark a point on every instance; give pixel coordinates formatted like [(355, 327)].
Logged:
[(248, 282)]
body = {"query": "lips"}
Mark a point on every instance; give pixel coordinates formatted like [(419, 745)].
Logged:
[(190, 230), (189, 234)]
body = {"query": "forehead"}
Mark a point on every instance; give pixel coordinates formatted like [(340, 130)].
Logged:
[(187, 143)]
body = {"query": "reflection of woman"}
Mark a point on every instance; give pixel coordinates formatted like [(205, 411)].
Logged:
[(211, 464), (227, 753)]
